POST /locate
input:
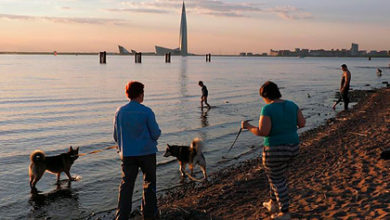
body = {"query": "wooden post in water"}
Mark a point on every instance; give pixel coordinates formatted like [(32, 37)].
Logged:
[(208, 57), (102, 57), (138, 57), (168, 57)]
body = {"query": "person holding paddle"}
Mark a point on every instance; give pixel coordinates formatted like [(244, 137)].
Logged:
[(278, 124)]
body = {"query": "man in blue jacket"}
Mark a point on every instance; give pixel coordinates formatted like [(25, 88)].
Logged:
[(136, 132)]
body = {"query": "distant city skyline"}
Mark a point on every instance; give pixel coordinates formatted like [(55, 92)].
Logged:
[(216, 26)]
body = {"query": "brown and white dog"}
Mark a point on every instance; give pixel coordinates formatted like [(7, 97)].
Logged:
[(190, 155), (53, 164)]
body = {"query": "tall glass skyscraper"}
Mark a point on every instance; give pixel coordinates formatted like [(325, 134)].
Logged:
[(183, 45), (183, 32)]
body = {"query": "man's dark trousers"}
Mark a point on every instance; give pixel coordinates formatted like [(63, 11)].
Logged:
[(130, 166), (344, 95)]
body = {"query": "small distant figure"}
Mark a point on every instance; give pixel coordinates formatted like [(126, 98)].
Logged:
[(378, 72), (308, 95), (205, 93), (344, 87)]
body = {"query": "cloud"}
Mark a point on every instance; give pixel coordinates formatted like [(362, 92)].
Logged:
[(290, 12), (78, 20), (217, 8), (66, 8), (207, 7), (140, 10)]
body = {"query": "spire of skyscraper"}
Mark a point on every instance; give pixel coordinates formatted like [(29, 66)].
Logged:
[(183, 32)]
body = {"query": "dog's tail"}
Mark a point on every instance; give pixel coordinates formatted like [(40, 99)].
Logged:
[(37, 156), (197, 144)]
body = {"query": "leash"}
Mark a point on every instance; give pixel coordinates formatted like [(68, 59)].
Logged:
[(193, 178), (97, 151), (238, 134)]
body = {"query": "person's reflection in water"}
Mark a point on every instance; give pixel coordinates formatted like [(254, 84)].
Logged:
[(62, 202), (203, 117)]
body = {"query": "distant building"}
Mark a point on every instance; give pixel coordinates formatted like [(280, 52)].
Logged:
[(123, 50), (354, 49), (164, 50), (354, 52), (273, 52), (183, 44)]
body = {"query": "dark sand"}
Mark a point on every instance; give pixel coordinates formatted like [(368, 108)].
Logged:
[(337, 175)]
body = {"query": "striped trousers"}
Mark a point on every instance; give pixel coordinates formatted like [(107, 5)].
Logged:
[(276, 160)]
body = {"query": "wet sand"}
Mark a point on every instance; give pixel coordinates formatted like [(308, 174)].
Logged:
[(337, 175)]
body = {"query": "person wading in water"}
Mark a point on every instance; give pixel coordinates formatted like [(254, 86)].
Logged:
[(344, 87)]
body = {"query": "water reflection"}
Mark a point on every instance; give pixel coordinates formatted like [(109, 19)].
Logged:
[(62, 202), (203, 117), (183, 77)]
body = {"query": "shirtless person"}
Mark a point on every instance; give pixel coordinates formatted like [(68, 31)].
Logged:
[(205, 93), (344, 87)]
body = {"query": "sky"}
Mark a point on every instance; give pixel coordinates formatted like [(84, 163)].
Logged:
[(214, 26)]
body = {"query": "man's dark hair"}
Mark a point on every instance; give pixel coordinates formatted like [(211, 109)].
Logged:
[(344, 66), (134, 89), (270, 90), (200, 83)]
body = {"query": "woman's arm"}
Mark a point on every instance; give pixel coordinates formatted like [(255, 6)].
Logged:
[(300, 119), (264, 126)]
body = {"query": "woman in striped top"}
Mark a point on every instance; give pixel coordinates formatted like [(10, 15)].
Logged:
[(278, 124)]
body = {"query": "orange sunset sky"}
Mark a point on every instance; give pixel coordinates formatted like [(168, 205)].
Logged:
[(216, 26)]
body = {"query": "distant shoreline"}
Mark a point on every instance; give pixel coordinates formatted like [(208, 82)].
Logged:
[(153, 54)]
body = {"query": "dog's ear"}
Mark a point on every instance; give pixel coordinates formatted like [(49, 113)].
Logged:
[(168, 145), (70, 148), (77, 149)]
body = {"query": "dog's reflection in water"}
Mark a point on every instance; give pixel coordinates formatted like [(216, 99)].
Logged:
[(62, 202)]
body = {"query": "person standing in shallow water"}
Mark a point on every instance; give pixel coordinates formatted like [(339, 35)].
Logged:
[(136, 132), (204, 96), (278, 124), (344, 87)]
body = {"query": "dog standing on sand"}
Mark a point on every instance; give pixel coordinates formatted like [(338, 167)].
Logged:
[(53, 164), (188, 154)]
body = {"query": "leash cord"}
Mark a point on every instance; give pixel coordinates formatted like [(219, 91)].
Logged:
[(97, 151), (191, 177), (238, 134)]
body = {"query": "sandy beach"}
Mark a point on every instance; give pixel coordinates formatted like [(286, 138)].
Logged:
[(337, 175)]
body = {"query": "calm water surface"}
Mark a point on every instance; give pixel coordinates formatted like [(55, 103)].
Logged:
[(53, 102)]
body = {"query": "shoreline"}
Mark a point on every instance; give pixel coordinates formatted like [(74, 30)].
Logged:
[(154, 54), (337, 174)]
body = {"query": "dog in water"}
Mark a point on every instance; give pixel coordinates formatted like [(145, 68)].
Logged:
[(190, 155), (53, 164)]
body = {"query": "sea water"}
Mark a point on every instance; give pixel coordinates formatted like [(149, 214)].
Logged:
[(53, 102)]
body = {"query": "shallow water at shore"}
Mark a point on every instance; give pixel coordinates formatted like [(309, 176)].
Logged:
[(50, 103)]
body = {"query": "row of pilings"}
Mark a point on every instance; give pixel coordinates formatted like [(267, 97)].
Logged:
[(138, 57)]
